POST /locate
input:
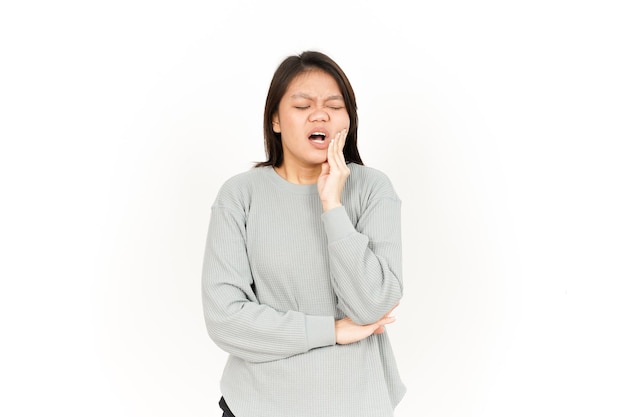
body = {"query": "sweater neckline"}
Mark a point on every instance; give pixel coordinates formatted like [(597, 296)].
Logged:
[(283, 184)]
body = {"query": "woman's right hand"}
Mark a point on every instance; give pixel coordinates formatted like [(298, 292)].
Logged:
[(334, 173), (346, 331)]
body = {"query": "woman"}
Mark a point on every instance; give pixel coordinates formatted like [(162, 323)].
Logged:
[(303, 261)]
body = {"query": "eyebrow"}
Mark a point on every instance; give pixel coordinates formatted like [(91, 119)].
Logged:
[(308, 97)]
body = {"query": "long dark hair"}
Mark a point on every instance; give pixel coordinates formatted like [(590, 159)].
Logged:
[(285, 73)]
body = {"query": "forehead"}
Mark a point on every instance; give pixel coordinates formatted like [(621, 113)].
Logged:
[(314, 82)]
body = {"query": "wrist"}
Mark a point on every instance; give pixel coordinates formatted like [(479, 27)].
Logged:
[(326, 206)]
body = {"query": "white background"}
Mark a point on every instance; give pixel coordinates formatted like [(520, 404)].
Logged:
[(501, 125)]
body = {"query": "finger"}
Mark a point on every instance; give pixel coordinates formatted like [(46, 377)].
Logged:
[(331, 153), (336, 153), (333, 158), (344, 138), (340, 142), (388, 314), (386, 320)]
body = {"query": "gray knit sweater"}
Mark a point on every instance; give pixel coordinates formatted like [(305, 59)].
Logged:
[(278, 272)]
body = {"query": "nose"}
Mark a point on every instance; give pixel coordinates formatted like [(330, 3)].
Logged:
[(319, 115)]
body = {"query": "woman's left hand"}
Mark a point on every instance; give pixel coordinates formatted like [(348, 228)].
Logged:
[(346, 331), (334, 173)]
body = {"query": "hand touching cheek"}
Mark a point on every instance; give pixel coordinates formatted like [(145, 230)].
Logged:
[(334, 173)]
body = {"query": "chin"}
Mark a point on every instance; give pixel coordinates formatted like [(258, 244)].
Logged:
[(317, 161)]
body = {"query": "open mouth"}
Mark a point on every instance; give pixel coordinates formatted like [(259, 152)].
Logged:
[(317, 137)]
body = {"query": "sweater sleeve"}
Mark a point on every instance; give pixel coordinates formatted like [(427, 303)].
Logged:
[(366, 258), (235, 319)]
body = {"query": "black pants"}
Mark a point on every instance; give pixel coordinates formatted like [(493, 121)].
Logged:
[(224, 407)]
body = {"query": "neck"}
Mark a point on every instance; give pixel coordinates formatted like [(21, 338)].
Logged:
[(299, 174)]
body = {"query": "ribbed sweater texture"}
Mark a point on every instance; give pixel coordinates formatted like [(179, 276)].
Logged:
[(278, 272)]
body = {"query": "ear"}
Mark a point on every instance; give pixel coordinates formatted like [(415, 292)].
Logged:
[(275, 124)]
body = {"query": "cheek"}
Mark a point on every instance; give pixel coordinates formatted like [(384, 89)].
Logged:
[(346, 120)]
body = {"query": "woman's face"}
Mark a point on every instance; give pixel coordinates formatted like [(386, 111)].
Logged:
[(310, 114)]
